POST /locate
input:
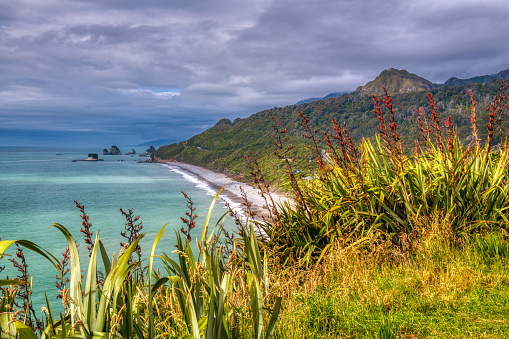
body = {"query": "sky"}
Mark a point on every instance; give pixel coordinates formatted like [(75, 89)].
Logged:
[(101, 72)]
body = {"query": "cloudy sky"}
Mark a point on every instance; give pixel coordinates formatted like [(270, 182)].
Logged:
[(102, 72)]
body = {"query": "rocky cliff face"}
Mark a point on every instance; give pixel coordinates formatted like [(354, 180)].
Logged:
[(396, 82)]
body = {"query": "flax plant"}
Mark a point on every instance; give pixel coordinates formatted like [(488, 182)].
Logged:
[(202, 285), (127, 305), (13, 324), (93, 315), (385, 192), (113, 313)]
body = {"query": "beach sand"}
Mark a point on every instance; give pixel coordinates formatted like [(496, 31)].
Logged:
[(231, 187)]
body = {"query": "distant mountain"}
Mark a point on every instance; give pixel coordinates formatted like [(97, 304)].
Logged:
[(396, 82), (307, 101), (223, 147), (330, 95), (475, 80), (504, 75)]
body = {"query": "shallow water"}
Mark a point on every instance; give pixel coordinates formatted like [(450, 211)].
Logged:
[(38, 188)]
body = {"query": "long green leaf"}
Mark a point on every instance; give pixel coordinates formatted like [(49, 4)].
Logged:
[(10, 282), (106, 258), (273, 318), (113, 285), (75, 274), (207, 219), (4, 244), (151, 330), (16, 328), (89, 312)]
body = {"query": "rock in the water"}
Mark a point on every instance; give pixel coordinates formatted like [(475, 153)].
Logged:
[(113, 151), (148, 152), (91, 157), (152, 158), (132, 152)]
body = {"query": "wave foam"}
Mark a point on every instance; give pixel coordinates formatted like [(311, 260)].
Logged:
[(203, 185)]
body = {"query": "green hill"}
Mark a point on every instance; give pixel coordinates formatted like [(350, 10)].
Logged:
[(223, 147)]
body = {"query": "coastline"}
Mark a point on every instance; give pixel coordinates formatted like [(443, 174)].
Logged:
[(231, 189)]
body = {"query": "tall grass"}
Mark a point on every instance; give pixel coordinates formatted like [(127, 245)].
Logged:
[(436, 288)]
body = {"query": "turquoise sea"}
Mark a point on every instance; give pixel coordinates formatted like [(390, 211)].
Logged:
[(38, 188)]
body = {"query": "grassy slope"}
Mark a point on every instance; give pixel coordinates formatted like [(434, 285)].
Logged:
[(435, 291)]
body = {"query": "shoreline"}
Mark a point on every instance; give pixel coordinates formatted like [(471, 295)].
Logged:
[(231, 187)]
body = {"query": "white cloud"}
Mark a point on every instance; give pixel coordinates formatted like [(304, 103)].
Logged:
[(158, 94), (20, 94)]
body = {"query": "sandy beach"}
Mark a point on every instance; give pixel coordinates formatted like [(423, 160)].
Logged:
[(231, 187)]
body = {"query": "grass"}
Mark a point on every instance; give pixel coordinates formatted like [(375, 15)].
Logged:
[(436, 291)]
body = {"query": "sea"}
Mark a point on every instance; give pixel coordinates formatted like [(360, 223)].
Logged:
[(38, 187)]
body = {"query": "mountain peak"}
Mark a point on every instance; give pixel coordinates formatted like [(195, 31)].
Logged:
[(395, 81)]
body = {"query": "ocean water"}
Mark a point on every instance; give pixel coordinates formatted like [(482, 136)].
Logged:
[(38, 188)]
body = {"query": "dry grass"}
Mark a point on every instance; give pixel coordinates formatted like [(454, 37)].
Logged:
[(437, 287)]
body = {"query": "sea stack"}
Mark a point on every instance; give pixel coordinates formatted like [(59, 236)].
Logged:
[(113, 151), (148, 152)]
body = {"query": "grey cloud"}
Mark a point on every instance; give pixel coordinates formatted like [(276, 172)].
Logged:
[(69, 64), (363, 35)]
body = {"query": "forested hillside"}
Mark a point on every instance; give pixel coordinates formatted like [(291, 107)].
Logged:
[(224, 146)]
